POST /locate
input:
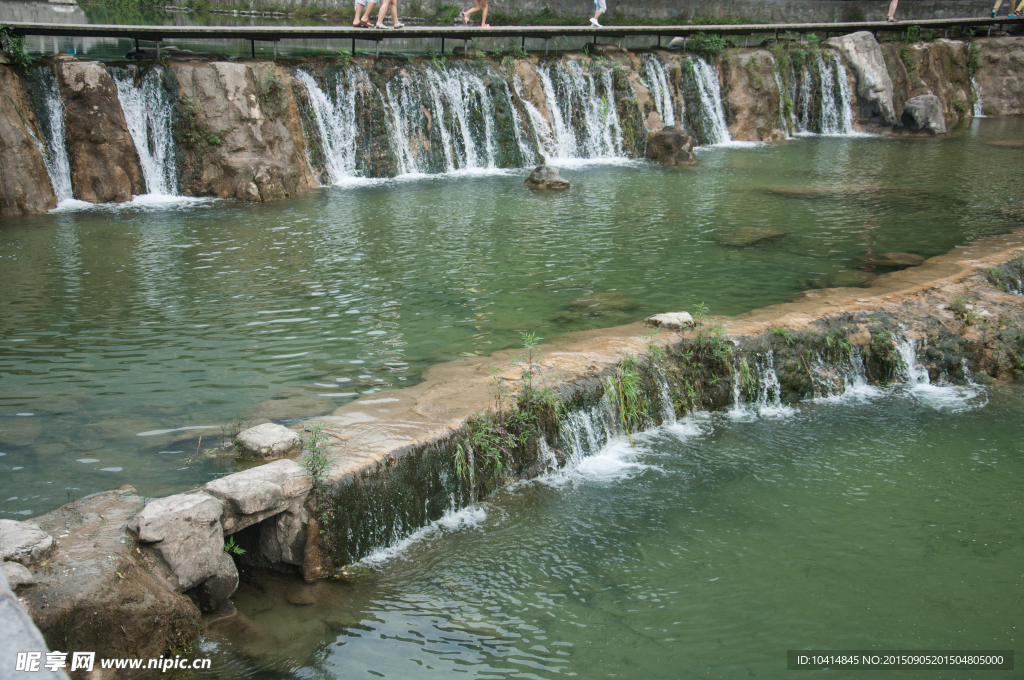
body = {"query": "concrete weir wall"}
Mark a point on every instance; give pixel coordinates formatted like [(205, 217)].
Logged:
[(248, 129), (114, 574)]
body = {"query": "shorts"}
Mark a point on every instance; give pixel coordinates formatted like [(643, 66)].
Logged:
[(601, 5)]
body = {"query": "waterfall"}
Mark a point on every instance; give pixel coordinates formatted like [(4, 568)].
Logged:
[(655, 77), (584, 117), (768, 400), (50, 114), (148, 109), (585, 432), (977, 98), (335, 123), (708, 118), (785, 121), (836, 115), (543, 135), (442, 119), (913, 373), (802, 98)]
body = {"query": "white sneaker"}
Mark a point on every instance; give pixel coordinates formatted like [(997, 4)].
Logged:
[(593, 22)]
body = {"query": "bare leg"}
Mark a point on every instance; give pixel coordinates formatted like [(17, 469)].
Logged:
[(382, 13), (369, 8), (483, 17), (474, 8), (359, 10), (892, 10), (394, 14)]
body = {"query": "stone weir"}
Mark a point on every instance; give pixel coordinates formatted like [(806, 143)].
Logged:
[(258, 130), (115, 574)]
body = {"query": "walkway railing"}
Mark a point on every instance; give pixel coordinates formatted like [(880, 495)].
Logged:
[(275, 34)]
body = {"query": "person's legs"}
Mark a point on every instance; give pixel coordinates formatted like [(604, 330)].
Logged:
[(892, 10), (382, 13), (394, 15), (359, 13), (474, 8), (995, 7), (369, 8), (483, 15), (1019, 7), (599, 8)]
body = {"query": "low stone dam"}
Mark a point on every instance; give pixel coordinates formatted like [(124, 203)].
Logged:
[(763, 353)]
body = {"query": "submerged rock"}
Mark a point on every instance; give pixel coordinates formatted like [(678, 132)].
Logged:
[(893, 260), (923, 114), (671, 146), (546, 177), (268, 440), (748, 236), (605, 302), (670, 320), (874, 86), (1008, 143)]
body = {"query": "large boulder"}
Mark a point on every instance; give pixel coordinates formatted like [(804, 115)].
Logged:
[(923, 114), (19, 634), (23, 542), (24, 183), (104, 162), (546, 177), (268, 440), (1000, 76), (672, 146), (283, 538), (670, 320), (243, 137), (185, 531), (258, 493), (874, 86), (17, 575)]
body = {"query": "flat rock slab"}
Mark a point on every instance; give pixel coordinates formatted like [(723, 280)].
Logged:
[(260, 492), (268, 440), (671, 320), (748, 236), (23, 542), (893, 260)]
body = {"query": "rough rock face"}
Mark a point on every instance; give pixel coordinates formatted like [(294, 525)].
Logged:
[(750, 96), (17, 575), (96, 591), (104, 162), (20, 634), (1000, 76), (874, 86), (268, 440), (546, 177), (185, 531), (240, 132), (23, 542), (939, 67), (672, 146), (258, 493), (24, 185), (924, 114), (670, 320)]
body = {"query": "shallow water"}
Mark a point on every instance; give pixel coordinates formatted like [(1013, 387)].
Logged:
[(886, 520), (119, 326)]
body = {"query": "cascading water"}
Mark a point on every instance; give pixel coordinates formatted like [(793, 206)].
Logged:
[(785, 118), (335, 123), (542, 132), (148, 110), (655, 78), (442, 119), (584, 117), (765, 382), (836, 115), (801, 94), (50, 114), (707, 117), (977, 99)]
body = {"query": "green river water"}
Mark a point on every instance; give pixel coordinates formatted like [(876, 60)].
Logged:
[(882, 520), (120, 326)]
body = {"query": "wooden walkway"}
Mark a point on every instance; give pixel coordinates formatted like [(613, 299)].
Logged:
[(275, 34)]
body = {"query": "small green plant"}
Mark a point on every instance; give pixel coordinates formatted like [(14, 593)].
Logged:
[(962, 309), (233, 548), (707, 46), (748, 383), (269, 86), (784, 334), (213, 140), (14, 45), (316, 464)]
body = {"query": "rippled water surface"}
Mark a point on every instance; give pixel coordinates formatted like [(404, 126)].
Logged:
[(121, 326), (889, 520)]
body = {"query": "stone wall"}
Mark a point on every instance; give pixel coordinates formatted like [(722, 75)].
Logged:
[(24, 185)]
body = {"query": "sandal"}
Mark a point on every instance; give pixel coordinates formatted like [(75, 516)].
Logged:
[(464, 17), (398, 26), (379, 25), (891, 20)]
